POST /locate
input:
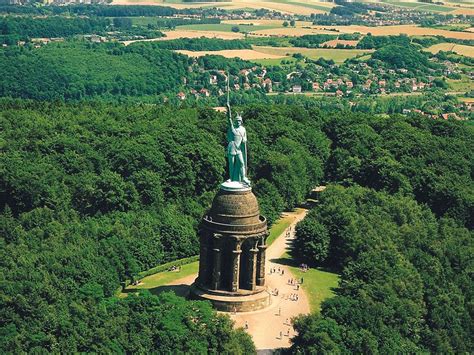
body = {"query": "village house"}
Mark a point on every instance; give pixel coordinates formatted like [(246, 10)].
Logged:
[(316, 86), (296, 89), (181, 96), (204, 92), (267, 84), (213, 80)]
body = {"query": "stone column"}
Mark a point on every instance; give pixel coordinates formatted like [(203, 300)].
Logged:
[(234, 285), (261, 262), (216, 270), (252, 267), (203, 260)]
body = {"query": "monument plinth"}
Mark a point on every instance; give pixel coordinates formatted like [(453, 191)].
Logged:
[(233, 238), (232, 252)]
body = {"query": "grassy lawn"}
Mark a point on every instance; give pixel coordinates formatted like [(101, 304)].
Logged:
[(163, 278), (224, 27), (318, 285), (279, 226)]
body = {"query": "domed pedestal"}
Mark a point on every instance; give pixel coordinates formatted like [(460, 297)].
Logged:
[(232, 252)]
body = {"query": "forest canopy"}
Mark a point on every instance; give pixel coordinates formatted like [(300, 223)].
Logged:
[(94, 193)]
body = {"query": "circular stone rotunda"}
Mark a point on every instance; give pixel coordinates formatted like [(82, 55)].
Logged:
[(232, 252)]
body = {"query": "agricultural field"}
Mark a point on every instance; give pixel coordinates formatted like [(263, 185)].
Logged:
[(298, 7), (467, 51), (276, 54), (190, 34), (247, 54), (264, 22), (411, 30), (226, 27), (336, 42)]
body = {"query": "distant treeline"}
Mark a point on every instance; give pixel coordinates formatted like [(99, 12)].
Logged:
[(404, 57), (14, 28), (109, 71), (202, 44), (311, 41), (348, 9), (314, 41), (75, 71), (375, 42), (103, 10), (426, 41)]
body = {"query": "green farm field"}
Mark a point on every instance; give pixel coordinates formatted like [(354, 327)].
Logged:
[(224, 27)]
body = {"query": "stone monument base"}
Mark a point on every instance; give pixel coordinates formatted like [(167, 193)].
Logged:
[(226, 301)]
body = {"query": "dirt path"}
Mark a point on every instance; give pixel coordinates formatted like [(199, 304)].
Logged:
[(271, 327)]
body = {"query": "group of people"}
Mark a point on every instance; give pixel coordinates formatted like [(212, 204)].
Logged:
[(274, 270), (304, 267), (293, 297), (288, 233)]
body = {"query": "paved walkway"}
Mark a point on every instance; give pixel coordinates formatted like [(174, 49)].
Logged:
[(271, 327)]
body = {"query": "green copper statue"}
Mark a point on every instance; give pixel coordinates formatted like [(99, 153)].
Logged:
[(237, 146)]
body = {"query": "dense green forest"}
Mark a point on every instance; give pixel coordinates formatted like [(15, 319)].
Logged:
[(93, 194), (406, 283), (202, 44), (73, 71), (55, 26), (82, 70), (401, 242)]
